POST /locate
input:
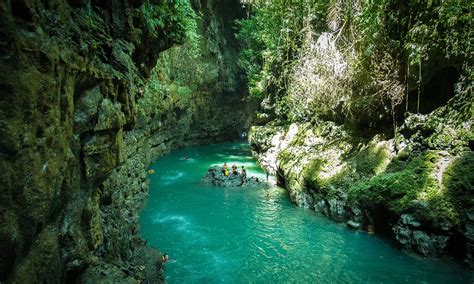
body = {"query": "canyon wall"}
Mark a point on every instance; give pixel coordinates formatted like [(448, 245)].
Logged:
[(415, 187), (80, 122)]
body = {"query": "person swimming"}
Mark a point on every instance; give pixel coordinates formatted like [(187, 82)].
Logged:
[(165, 258)]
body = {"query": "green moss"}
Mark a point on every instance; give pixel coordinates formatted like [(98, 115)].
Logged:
[(174, 18), (311, 174), (458, 182), (371, 160), (367, 162), (414, 189)]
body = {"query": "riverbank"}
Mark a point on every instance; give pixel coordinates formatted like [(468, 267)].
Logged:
[(413, 188)]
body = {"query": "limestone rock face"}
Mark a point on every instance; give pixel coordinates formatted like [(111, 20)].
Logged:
[(74, 146)]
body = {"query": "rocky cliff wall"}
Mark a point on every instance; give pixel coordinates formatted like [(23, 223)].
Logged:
[(75, 139), (415, 188)]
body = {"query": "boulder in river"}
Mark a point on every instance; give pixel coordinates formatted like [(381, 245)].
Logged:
[(215, 175)]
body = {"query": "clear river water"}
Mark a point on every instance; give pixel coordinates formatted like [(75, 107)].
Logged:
[(244, 235)]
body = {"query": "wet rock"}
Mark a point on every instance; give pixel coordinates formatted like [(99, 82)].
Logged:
[(408, 219), (86, 110), (353, 224), (102, 153), (337, 210), (402, 234), (110, 116), (322, 207), (216, 176), (469, 231), (409, 236), (470, 216), (357, 214)]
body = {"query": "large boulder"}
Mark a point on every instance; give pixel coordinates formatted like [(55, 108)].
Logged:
[(216, 176)]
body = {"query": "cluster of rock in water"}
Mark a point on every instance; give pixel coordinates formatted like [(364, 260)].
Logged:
[(216, 176)]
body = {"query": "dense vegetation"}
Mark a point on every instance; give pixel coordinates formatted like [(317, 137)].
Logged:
[(359, 58), (368, 106)]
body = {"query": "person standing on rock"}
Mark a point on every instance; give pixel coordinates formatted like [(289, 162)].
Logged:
[(244, 174), (225, 170)]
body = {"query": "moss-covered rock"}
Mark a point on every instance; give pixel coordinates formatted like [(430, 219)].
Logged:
[(76, 137), (415, 186), (415, 189)]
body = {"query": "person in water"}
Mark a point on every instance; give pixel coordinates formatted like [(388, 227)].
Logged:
[(234, 170), (225, 170), (165, 258)]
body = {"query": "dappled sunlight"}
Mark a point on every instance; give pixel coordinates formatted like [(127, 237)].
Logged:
[(317, 79)]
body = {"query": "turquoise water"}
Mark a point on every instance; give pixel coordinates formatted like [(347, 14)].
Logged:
[(235, 235)]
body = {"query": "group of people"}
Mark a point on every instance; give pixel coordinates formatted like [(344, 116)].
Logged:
[(225, 169)]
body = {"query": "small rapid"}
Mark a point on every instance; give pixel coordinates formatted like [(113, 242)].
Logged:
[(243, 235)]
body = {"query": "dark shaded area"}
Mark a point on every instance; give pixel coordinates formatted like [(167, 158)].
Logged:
[(49, 62), (383, 220), (435, 93), (20, 10)]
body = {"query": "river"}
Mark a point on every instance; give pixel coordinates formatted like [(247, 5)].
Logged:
[(243, 235)]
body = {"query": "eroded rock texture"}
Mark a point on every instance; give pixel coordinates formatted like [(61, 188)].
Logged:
[(72, 155)]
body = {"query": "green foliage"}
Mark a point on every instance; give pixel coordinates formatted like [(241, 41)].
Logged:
[(179, 70), (270, 39), (375, 42), (439, 28), (174, 18), (371, 160), (361, 165), (153, 17)]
